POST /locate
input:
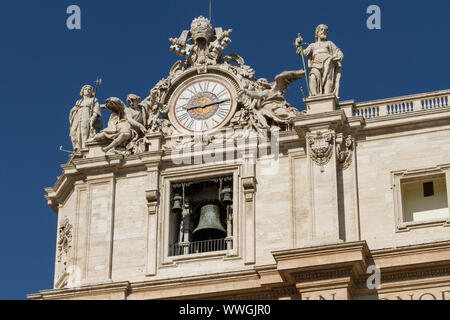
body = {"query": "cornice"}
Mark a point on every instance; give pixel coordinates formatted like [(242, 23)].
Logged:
[(337, 116), (196, 280), (420, 248), (321, 250), (323, 264), (88, 290), (412, 256)]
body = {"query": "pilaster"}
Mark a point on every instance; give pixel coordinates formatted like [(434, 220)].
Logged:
[(320, 128), (249, 188), (100, 227), (152, 162)]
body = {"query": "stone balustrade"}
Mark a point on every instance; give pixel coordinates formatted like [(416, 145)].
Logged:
[(403, 105)]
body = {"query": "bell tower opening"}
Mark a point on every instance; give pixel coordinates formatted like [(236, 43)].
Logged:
[(201, 216)]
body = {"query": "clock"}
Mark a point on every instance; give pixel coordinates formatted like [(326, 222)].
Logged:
[(202, 104)]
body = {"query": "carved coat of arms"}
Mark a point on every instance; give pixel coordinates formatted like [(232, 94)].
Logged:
[(321, 146)]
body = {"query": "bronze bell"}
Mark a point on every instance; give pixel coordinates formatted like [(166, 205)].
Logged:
[(177, 204), (209, 226), (227, 199)]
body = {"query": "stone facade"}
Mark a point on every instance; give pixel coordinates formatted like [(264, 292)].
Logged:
[(309, 216)]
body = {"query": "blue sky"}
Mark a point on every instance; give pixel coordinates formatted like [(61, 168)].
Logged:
[(43, 66)]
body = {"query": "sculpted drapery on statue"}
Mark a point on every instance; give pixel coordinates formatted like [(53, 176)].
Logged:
[(126, 126), (85, 119), (324, 62)]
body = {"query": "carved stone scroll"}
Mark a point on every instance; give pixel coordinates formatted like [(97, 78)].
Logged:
[(344, 151)]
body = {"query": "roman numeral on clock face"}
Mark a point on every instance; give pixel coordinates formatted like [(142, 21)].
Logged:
[(205, 125), (190, 124), (192, 90), (222, 113), (222, 93), (183, 117), (180, 108)]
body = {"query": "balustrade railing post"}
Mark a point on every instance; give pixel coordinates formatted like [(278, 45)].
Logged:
[(417, 105)]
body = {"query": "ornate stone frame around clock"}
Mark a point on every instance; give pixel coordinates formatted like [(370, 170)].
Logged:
[(192, 75)]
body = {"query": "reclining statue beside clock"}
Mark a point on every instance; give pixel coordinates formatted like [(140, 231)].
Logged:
[(267, 105), (202, 94)]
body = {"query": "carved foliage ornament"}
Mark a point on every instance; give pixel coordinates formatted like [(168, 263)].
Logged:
[(64, 239), (321, 146)]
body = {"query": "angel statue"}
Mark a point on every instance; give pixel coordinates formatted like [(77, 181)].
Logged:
[(125, 125), (136, 113), (268, 100), (155, 110), (85, 119)]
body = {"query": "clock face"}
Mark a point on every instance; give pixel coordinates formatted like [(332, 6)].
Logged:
[(203, 105)]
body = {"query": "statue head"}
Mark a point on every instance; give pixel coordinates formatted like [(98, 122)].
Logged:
[(201, 29), (321, 32), (133, 100), (348, 141), (263, 84), (87, 91)]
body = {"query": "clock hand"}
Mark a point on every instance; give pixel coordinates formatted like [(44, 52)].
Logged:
[(204, 105)]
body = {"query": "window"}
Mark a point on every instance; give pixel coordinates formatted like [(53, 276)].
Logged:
[(425, 200), (428, 189), (422, 198), (201, 217)]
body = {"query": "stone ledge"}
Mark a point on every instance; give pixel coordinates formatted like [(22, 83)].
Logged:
[(119, 290), (291, 263), (395, 258)]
